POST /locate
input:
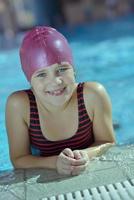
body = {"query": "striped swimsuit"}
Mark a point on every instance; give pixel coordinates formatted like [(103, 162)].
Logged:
[(83, 137)]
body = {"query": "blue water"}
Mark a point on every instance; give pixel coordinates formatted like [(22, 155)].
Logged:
[(103, 52)]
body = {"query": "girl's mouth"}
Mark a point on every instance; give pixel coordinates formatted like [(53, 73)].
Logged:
[(56, 92)]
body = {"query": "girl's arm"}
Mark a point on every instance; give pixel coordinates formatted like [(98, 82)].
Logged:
[(102, 119), (18, 136), (97, 149)]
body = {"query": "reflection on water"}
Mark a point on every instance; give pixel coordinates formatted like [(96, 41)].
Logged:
[(119, 156), (7, 176), (124, 157)]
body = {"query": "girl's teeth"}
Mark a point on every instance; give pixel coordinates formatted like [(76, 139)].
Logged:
[(57, 92)]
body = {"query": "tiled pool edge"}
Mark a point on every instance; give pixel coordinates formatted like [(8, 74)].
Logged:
[(34, 184)]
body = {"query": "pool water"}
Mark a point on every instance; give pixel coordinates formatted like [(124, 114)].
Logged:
[(103, 52)]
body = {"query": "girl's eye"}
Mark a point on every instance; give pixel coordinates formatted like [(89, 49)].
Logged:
[(41, 75), (62, 69)]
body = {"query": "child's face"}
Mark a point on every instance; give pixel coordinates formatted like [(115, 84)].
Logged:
[(54, 84)]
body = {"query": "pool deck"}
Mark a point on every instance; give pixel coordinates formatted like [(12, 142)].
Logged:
[(35, 184)]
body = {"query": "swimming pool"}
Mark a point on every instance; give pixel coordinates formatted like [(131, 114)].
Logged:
[(104, 52)]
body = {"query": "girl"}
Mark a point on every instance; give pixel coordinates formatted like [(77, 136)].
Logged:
[(57, 123)]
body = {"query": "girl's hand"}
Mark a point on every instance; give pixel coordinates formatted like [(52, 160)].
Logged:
[(80, 155), (68, 162), (64, 162)]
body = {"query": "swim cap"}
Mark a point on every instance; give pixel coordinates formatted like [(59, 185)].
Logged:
[(41, 47)]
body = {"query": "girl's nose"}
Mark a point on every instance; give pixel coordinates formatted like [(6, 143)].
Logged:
[(56, 80)]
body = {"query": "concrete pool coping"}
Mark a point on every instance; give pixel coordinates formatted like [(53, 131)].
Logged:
[(116, 165)]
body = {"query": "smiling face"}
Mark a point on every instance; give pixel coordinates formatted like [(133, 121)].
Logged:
[(54, 85)]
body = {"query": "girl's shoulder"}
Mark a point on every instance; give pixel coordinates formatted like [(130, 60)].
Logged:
[(94, 87), (95, 93), (18, 102), (18, 98)]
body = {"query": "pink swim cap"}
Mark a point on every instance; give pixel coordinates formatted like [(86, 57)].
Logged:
[(41, 47)]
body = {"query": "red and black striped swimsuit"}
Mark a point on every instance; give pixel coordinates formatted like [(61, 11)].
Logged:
[(83, 137)]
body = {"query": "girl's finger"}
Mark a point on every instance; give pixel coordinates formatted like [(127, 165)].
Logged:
[(66, 159), (68, 167), (77, 154), (68, 152)]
